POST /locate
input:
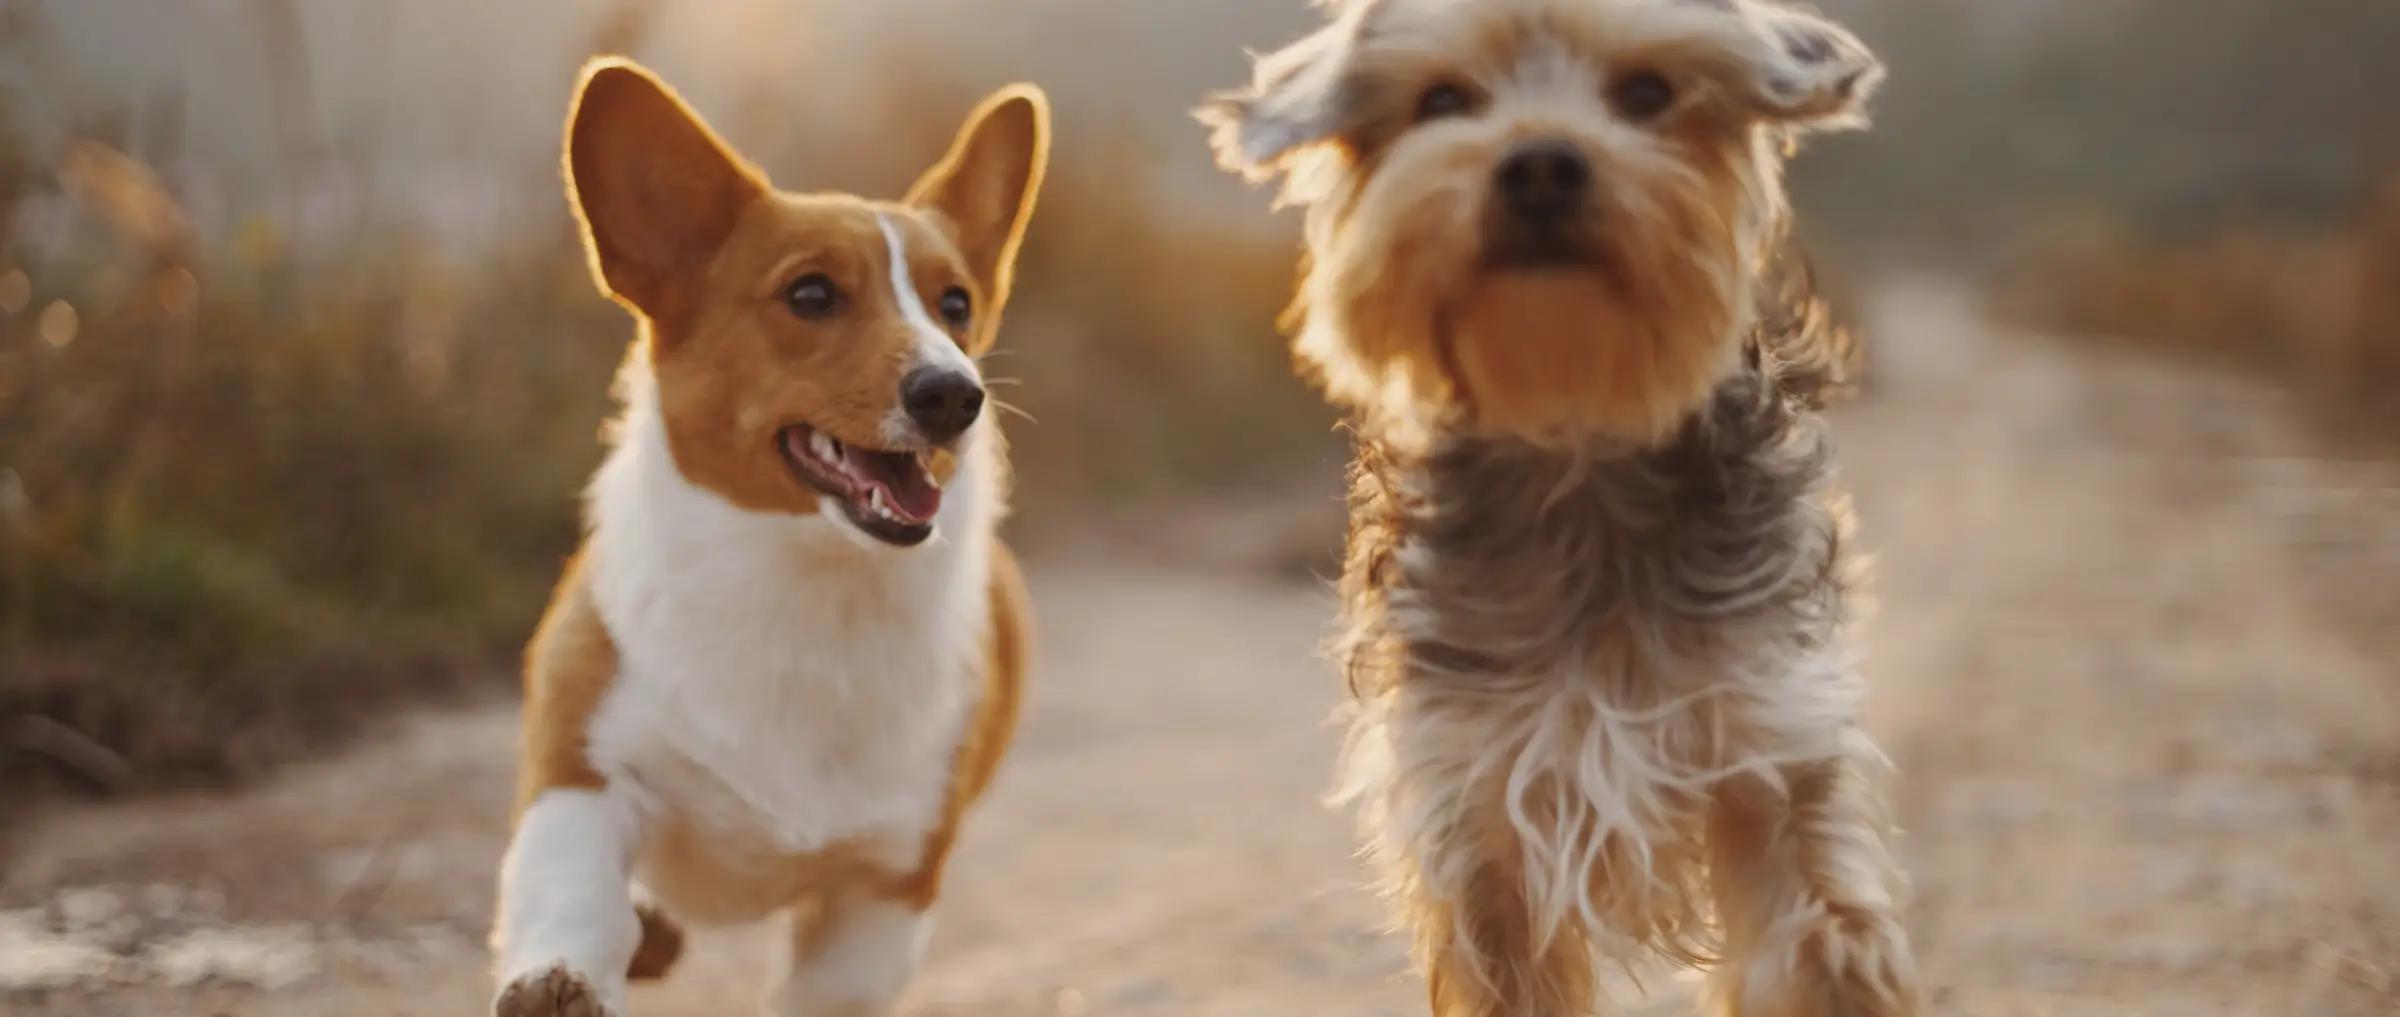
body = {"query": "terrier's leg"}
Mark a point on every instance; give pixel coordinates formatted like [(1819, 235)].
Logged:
[(1807, 890), (1482, 958)]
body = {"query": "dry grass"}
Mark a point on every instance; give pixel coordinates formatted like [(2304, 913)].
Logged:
[(2317, 308), (244, 497), (250, 494)]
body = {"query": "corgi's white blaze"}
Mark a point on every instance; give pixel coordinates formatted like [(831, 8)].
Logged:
[(935, 348), (863, 963), (781, 685), (563, 899)]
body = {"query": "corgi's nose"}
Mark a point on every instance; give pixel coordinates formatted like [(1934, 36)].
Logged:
[(942, 402)]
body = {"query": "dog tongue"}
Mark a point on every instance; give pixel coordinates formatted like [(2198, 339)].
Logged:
[(907, 489)]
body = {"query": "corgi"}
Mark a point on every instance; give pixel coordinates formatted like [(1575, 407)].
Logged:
[(790, 653)]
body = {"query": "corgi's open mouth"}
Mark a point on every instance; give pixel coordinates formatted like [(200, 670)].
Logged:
[(890, 495)]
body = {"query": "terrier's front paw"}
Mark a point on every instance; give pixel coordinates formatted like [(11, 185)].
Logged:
[(556, 992)]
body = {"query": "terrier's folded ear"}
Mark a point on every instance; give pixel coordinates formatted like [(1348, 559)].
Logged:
[(1297, 98), (1796, 68)]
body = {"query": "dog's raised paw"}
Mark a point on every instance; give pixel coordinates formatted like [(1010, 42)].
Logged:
[(556, 992)]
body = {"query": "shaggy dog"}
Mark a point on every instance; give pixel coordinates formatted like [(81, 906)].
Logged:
[(1597, 592)]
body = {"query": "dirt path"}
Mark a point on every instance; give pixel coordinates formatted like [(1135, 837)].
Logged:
[(2136, 661)]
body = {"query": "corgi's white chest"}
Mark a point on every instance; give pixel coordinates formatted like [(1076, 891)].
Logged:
[(805, 734), (783, 682)]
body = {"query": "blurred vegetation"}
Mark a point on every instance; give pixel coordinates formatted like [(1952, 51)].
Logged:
[(2211, 179), (2316, 307), (254, 487), (235, 485), (281, 442), (2178, 116)]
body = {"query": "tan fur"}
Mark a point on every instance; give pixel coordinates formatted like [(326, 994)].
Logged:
[(983, 208), (694, 241), (1594, 607), (661, 944), (1837, 921), (721, 377), (567, 670), (1404, 322), (1491, 918), (715, 335)]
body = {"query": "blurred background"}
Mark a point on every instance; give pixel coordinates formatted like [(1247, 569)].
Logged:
[(301, 372)]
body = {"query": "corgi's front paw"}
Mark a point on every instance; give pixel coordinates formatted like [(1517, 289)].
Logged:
[(556, 992)]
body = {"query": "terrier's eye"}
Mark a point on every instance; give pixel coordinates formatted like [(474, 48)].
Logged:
[(957, 307), (1642, 97), (1444, 100), (813, 296)]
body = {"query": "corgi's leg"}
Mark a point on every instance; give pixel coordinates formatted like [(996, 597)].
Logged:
[(854, 948), (567, 930), (1806, 887), (852, 955), (661, 939)]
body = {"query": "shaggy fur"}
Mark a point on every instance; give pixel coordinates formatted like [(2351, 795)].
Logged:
[(1569, 666), (1596, 599)]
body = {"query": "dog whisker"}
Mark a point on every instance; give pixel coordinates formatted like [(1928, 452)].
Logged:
[(1011, 408)]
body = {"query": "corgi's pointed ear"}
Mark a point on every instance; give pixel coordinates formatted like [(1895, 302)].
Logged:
[(986, 186), (656, 192)]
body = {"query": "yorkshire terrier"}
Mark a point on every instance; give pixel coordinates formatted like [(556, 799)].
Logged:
[(1597, 587)]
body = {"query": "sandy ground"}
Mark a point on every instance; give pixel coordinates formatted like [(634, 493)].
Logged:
[(2136, 661)]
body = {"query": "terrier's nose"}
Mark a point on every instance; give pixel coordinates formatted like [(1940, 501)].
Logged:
[(1544, 180), (942, 402)]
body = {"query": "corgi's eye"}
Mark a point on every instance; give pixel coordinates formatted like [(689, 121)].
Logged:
[(813, 296), (1642, 97), (1444, 100), (957, 307)]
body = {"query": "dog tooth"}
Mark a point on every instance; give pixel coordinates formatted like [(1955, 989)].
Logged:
[(823, 447)]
